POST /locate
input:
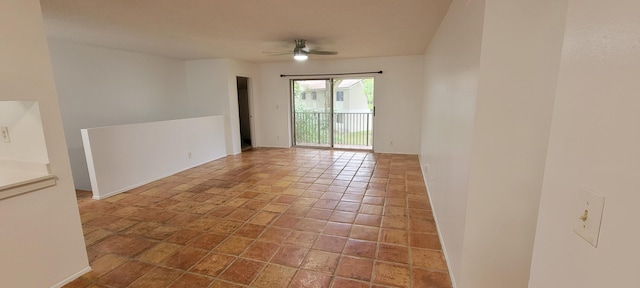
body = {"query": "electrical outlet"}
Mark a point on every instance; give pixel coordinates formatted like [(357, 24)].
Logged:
[(189, 155), (589, 216), (4, 130)]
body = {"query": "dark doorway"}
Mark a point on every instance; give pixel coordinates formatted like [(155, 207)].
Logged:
[(244, 112)]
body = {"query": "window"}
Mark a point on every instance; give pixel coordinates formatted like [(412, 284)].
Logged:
[(303, 96), (314, 96), (340, 96)]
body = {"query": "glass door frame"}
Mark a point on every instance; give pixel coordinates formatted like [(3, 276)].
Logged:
[(331, 81)]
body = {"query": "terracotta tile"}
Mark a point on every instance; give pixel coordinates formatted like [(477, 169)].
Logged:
[(352, 198), (364, 232), (213, 264), (158, 252), (276, 208), (420, 214), (393, 253), (301, 238), (290, 256), (233, 245), (338, 229), (275, 234), (120, 224), (123, 245), (321, 261), (348, 206), (96, 235), (221, 211), (325, 204), (184, 258), (242, 271), (310, 279), (397, 202), (368, 220), (140, 229), (241, 214), (429, 241), (182, 219), (183, 236), (331, 196), (346, 283), (261, 251), (311, 225), (287, 222), (125, 274), (355, 268), (435, 279), (189, 280), (161, 232), (104, 265), (394, 222), (78, 283), (360, 248), (343, 217), (255, 204), (274, 276), (423, 226), (319, 214), (297, 211), (224, 284), (330, 243), (158, 277), (392, 274), (373, 200), (207, 241), (249, 230), (371, 209), (224, 227), (430, 259), (263, 218), (394, 236)]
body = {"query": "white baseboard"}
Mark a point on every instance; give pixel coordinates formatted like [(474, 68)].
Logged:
[(72, 277), (435, 217)]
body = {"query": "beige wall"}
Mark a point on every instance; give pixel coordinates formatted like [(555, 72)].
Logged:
[(485, 173), (594, 144), (41, 239)]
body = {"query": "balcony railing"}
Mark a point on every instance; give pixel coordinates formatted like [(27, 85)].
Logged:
[(350, 130)]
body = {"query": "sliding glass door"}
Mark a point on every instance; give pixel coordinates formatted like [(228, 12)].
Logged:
[(333, 112)]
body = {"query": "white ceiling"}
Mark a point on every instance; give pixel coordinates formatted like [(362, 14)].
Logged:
[(243, 29)]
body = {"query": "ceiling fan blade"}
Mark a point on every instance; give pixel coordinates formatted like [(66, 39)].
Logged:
[(321, 52), (276, 53)]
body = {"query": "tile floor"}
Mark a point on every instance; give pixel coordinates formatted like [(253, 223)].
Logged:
[(270, 218)]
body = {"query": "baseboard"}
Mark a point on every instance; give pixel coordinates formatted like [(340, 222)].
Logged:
[(435, 217), (72, 277)]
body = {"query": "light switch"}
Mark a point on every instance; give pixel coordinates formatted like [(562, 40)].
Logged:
[(5, 134), (589, 216)]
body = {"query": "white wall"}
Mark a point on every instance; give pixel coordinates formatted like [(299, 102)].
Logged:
[(22, 119), (42, 244), (100, 86), (593, 144), (397, 98), (509, 121), (452, 65), (212, 90), (123, 157), (518, 70)]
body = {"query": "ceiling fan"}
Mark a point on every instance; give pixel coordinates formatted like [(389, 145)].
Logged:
[(301, 51)]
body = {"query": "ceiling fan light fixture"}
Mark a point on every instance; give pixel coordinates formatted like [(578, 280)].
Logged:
[(300, 55)]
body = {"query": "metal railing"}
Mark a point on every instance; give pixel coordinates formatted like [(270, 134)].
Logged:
[(350, 130)]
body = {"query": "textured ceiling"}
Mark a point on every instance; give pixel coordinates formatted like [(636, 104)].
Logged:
[(200, 29)]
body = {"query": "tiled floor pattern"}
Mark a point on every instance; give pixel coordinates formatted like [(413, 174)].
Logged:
[(270, 218)]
